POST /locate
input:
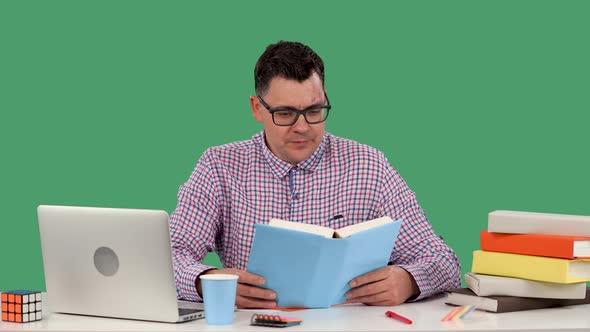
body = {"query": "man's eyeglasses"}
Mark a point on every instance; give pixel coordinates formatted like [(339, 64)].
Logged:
[(287, 116)]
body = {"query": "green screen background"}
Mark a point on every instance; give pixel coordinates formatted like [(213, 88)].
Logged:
[(479, 105)]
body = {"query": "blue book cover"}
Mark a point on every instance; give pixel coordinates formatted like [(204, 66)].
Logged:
[(311, 271)]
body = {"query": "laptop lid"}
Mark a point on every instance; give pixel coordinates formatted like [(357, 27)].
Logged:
[(108, 262)]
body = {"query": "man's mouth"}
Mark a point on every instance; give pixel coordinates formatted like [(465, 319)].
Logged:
[(299, 142)]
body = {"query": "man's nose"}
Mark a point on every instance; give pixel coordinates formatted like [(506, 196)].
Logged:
[(300, 125)]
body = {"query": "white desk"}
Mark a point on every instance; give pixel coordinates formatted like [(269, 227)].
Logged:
[(425, 314)]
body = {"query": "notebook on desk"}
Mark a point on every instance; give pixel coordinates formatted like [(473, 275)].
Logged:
[(111, 263)]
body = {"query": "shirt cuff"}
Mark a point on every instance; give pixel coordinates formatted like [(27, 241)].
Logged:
[(187, 287), (422, 281)]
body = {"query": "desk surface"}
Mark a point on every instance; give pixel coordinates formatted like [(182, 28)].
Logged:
[(425, 314)]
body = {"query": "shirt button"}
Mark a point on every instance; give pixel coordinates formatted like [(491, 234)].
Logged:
[(296, 196)]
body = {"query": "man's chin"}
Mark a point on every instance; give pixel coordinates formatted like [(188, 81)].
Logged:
[(300, 156)]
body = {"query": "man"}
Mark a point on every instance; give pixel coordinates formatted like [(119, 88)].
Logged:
[(294, 170)]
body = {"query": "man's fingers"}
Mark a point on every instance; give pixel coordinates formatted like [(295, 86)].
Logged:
[(370, 277), (248, 302), (249, 278), (375, 294), (367, 290), (248, 295), (390, 285), (243, 276), (371, 299), (387, 302), (253, 297), (255, 292)]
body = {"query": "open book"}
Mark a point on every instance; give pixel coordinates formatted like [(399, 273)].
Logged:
[(328, 232), (310, 266)]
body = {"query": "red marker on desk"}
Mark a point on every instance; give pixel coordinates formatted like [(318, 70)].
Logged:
[(401, 318)]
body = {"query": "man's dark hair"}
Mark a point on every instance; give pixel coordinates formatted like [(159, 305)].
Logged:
[(290, 60)]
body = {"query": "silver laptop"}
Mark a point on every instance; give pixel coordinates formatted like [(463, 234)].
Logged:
[(111, 263)]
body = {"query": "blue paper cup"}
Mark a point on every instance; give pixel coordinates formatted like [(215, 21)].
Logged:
[(219, 296)]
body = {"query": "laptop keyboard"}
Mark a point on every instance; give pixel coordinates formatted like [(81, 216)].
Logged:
[(186, 311)]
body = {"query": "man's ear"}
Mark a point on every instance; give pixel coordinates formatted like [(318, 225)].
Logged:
[(255, 106)]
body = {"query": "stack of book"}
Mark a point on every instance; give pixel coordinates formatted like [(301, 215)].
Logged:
[(528, 261)]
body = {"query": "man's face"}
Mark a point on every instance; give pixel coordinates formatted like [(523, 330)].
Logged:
[(295, 143)]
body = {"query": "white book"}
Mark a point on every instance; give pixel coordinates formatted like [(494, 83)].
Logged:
[(518, 222), (489, 285)]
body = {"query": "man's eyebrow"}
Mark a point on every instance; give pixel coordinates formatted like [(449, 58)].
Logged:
[(294, 108)]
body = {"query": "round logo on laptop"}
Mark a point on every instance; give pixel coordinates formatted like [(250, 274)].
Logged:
[(106, 261)]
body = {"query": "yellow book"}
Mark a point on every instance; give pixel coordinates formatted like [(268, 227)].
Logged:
[(564, 271)]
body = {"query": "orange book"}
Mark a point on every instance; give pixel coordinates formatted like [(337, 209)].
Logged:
[(557, 246)]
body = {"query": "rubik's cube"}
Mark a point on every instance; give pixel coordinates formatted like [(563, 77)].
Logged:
[(21, 306)]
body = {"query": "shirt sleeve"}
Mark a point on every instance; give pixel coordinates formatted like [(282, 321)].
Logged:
[(418, 249), (194, 226)]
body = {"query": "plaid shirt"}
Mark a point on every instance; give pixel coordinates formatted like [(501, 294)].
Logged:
[(237, 185)]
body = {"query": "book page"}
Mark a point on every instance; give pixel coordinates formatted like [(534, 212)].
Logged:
[(461, 297), (353, 229), (580, 268), (472, 281), (581, 248), (308, 228)]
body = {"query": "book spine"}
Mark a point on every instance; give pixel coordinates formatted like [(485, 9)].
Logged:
[(523, 266), (323, 287), (538, 223), (486, 285), (528, 244)]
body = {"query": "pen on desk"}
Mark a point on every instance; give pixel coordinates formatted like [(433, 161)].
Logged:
[(395, 316)]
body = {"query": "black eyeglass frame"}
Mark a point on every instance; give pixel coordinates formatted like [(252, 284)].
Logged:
[(303, 112)]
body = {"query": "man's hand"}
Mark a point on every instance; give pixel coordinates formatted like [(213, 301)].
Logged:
[(247, 294), (387, 286)]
